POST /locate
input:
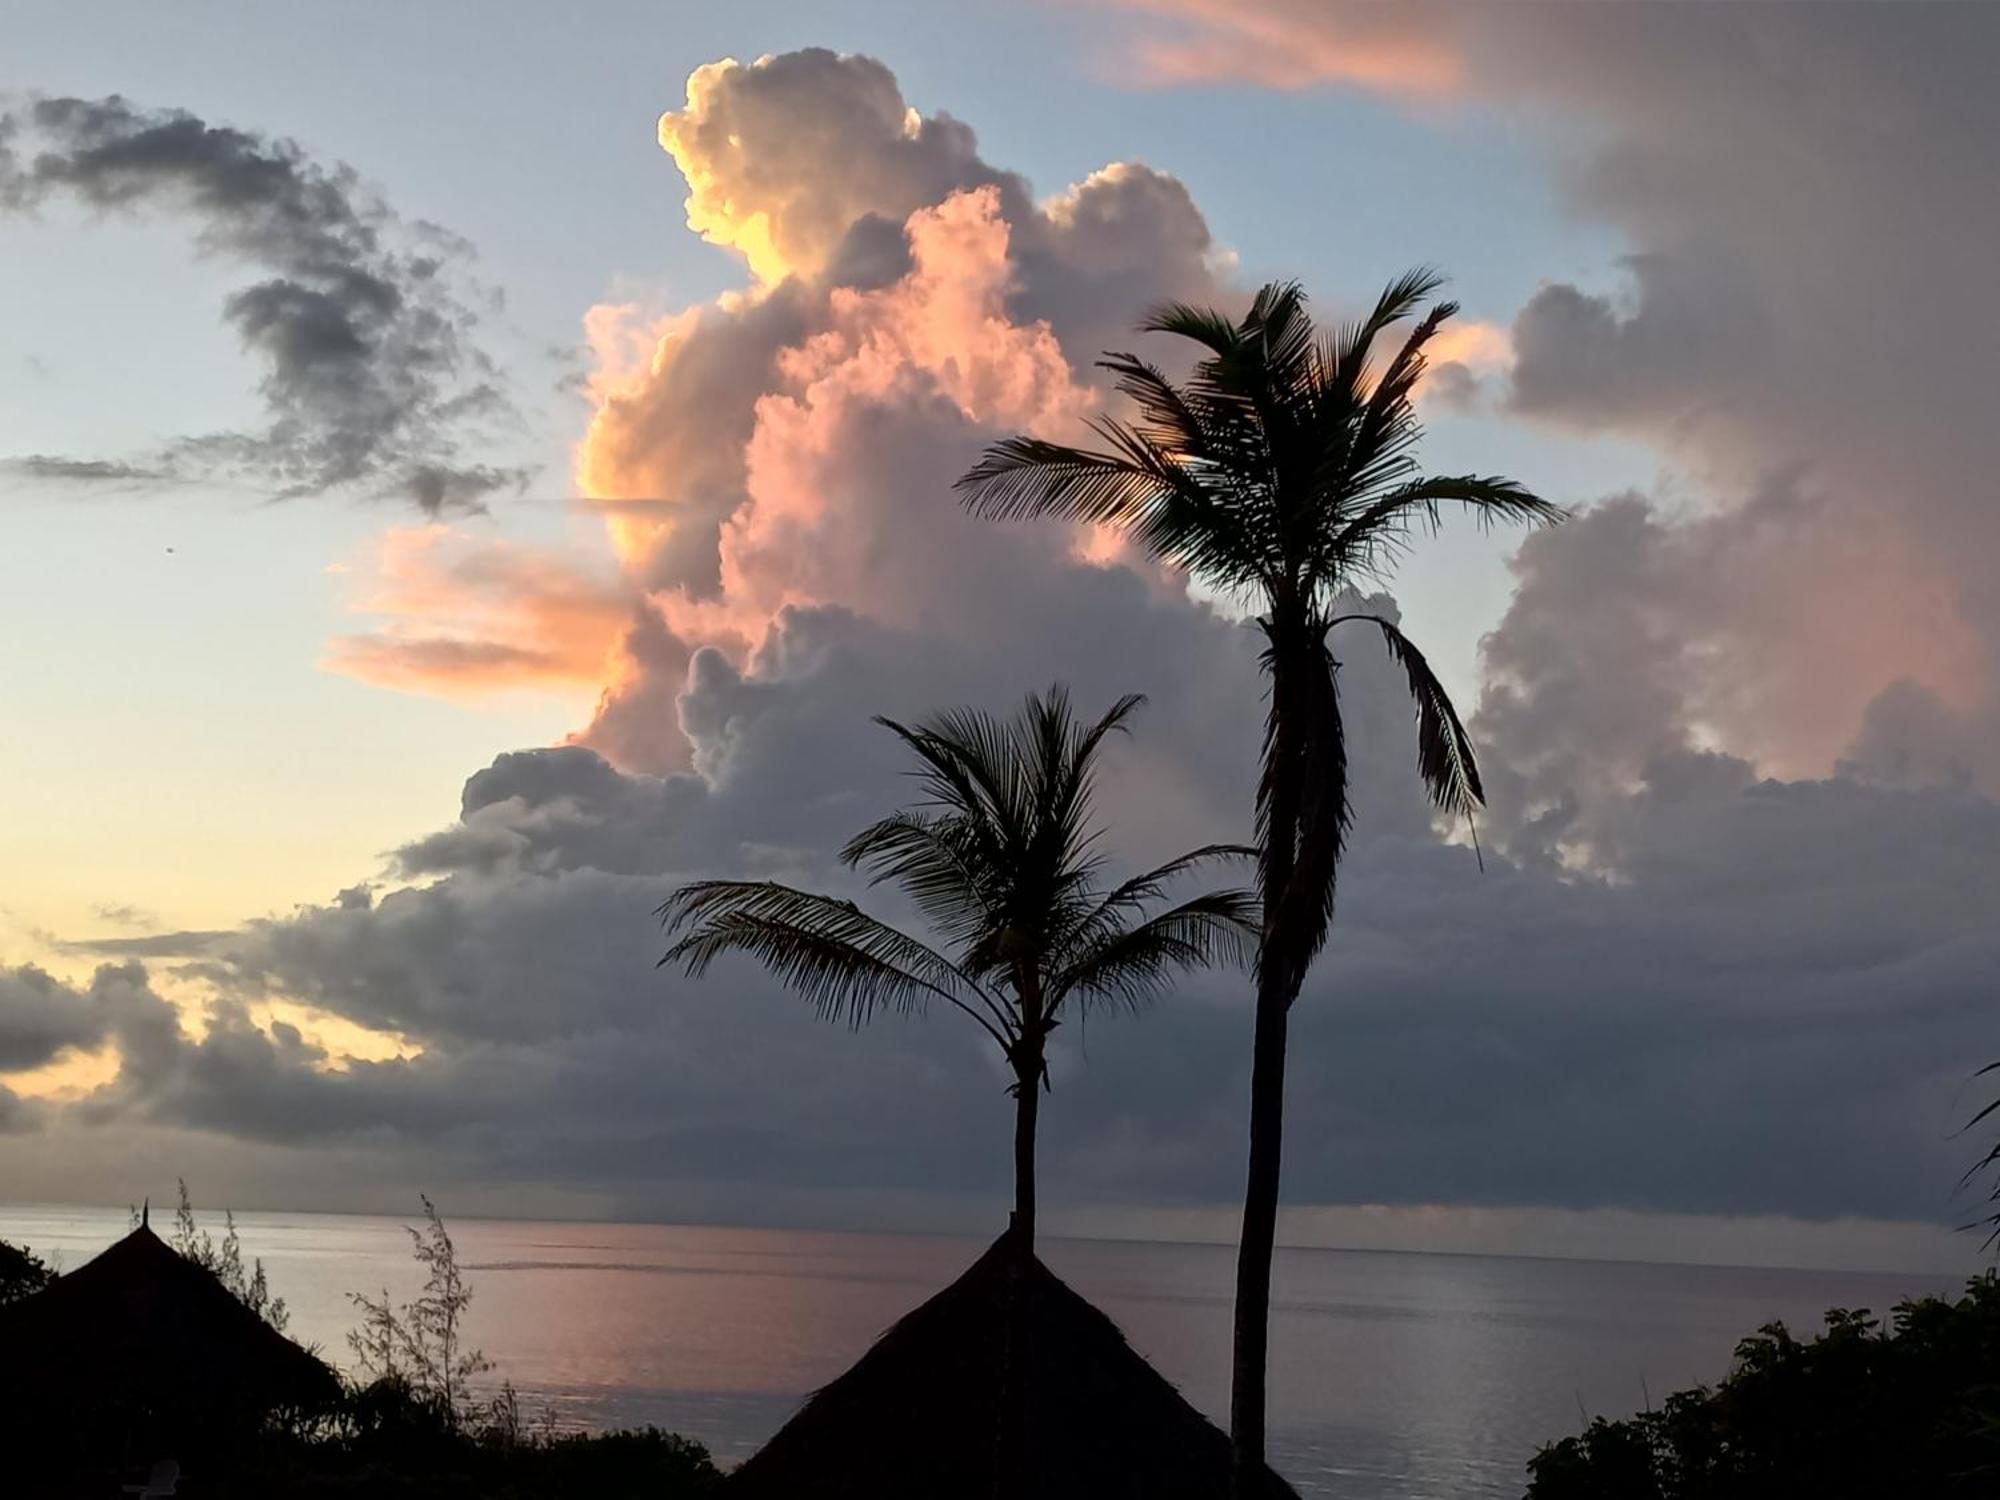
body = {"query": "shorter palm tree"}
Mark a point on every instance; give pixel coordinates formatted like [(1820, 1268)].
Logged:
[(1001, 858)]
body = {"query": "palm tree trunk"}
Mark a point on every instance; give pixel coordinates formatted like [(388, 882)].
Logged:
[(1259, 1238), (1282, 796), (1027, 1105)]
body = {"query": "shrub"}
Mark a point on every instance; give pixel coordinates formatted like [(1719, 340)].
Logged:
[(1861, 1410)]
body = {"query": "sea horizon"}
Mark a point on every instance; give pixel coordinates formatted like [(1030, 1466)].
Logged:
[(1934, 1256)]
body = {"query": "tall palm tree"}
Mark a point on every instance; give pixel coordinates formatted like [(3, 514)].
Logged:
[(1280, 472), (1001, 858)]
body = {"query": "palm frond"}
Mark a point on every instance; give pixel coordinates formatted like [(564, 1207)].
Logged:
[(1381, 529), (1283, 332), (1141, 488), (1131, 966), (1204, 325), (1346, 358), (1129, 897), (1022, 478), (1989, 1163), (943, 862), (1444, 750), (966, 769), (841, 961), (1173, 423)]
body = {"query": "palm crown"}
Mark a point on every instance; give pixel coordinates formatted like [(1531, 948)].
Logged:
[(1280, 471), (1001, 857)]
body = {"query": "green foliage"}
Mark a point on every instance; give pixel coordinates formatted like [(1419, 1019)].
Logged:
[(1860, 1412), (224, 1261), (22, 1273)]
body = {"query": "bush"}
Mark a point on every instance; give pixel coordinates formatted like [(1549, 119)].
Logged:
[(1861, 1412), (22, 1273), (391, 1440)]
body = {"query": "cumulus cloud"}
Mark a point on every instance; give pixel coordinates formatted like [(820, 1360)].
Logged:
[(896, 271), (364, 326)]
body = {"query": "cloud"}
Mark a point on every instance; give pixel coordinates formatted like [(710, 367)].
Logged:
[(111, 474), (754, 144), (1776, 171), (149, 945), (365, 327), (41, 1017), (1293, 44), (895, 268), (468, 615), (1732, 925), (123, 914)]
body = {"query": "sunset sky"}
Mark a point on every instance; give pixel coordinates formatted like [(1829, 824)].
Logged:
[(465, 468)]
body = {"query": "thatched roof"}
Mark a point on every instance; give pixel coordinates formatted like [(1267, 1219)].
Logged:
[(143, 1333), (1004, 1386)]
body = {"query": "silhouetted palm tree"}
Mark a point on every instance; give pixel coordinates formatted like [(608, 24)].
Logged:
[(1001, 858), (1280, 472)]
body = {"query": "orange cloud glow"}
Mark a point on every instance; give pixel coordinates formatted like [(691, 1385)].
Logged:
[(466, 617), (1296, 45), (1472, 343)]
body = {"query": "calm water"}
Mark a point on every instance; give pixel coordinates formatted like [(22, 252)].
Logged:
[(1395, 1376)]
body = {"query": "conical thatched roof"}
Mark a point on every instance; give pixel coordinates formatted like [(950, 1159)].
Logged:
[(141, 1342), (1004, 1386)]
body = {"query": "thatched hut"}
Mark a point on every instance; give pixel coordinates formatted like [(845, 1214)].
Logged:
[(140, 1354), (1004, 1386)]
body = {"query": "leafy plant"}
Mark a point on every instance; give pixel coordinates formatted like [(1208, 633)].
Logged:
[(421, 1346), (224, 1261), (22, 1273), (1862, 1411)]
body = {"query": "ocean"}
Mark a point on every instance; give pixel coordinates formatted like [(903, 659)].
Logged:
[(1395, 1376)]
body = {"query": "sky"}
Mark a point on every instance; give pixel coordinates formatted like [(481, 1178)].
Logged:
[(463, 473)]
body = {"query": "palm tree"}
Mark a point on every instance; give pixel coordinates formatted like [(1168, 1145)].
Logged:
[(1279, 472), (1001, 858)]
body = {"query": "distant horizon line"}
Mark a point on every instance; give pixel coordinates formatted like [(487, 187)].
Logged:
[(1975, 1261)]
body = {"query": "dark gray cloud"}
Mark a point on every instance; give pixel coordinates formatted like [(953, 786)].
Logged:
[(110, 474), (40, 1017), (184, 944), (364, 325), (1769, 975)]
